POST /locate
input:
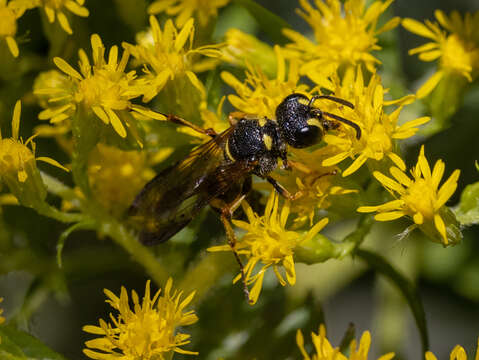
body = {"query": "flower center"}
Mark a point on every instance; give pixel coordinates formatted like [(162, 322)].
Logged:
[(100, 90), (456, 56), (420, 198), (13, 156), (8, 24), (378, 142)]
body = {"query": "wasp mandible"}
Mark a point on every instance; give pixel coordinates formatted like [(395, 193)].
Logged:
[(219, 172)]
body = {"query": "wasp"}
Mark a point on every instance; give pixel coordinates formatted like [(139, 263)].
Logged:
[(219, 172)]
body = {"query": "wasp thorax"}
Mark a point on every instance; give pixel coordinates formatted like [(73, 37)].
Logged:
[(299, 126)]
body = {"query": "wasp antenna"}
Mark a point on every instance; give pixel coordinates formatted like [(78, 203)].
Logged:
[(332, 98), (345, 121)]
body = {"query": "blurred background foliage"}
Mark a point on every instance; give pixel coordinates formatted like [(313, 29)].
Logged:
[(54, 303)]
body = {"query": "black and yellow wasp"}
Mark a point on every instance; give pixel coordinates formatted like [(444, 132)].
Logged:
[(220, 171)]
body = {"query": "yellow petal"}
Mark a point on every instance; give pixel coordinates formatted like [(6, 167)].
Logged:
[(76, 8), (12, 46), (98, 110), (447, 189), (388, 182), (66, 68), (116, 122), (256, 290), (430, 55), (418, 28), (62, 19), (396, 159), (17, 110), (196, 83), (390, 215), (439, 223), (426, 47), (360, 160), (52, 162), (429, 85), (182, 37)]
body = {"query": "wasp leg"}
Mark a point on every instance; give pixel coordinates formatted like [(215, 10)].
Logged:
[(177, 120), (225, 219), (282, 190)]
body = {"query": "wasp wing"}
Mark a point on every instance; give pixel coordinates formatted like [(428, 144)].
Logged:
[(169, 201)]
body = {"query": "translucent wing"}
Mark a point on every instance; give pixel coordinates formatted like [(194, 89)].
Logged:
[(169, 201)]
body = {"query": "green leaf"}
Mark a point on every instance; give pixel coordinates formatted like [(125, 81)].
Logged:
[(468, 210), (19, 345), (270, 23), (407, 288)]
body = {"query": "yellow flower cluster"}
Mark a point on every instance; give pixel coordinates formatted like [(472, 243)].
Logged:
[(147, 331), (269, 242), (454, 43), (323, 350), (12, 10)]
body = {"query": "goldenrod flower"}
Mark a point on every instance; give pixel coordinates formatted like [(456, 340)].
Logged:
[(325, 351), (56, 9), (102, 88), (458, 353), (318, 184), (117, 176), (344, 35), (242, 49), (261, 95), (147, 331), (203, 10), (267, 241), (169, 53), (379, 130), (17, 160), (9, 13), (456, 45), (420, 198)]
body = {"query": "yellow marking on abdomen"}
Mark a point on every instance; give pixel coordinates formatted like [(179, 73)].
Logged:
[(268, 142), (262, 121)]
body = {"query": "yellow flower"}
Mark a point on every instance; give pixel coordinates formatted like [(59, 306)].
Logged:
[(458, 353), (379, 130), (242, 49), (56, 9), (420, 198), (102, 88), (17, 160), (184, 9), (325, 351), (456, 47), (18, 168), (148, 331), (9, 13), (261, 95), (169, 53), (268, 241), (344, 35), (117, 176)]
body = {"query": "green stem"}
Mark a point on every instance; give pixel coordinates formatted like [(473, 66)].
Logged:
[(141, 254)]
